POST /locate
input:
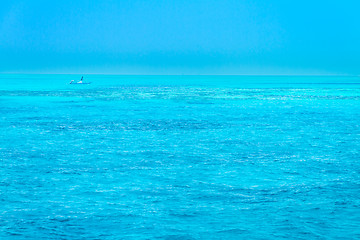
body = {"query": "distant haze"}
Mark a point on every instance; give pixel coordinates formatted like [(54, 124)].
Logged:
[(180, 37)]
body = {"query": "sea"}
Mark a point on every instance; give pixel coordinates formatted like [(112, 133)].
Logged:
[(179, 157)]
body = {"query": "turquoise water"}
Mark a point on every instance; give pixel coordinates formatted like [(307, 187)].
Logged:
[(179, 157)]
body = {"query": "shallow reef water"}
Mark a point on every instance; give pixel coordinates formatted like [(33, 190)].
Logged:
[(179, 157)]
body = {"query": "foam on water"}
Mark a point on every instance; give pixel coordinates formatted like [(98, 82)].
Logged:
[(168, 157)]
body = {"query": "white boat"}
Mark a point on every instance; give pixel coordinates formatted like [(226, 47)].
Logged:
[(79, 82)]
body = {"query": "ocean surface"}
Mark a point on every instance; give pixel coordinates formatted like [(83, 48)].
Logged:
[(179, 157)]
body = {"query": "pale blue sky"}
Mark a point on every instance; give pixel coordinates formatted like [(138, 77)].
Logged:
[(180, 37)]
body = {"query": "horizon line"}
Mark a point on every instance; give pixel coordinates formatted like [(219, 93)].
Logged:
[(140, 74)]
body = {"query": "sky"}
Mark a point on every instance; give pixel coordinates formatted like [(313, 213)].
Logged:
[(249, 37)]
